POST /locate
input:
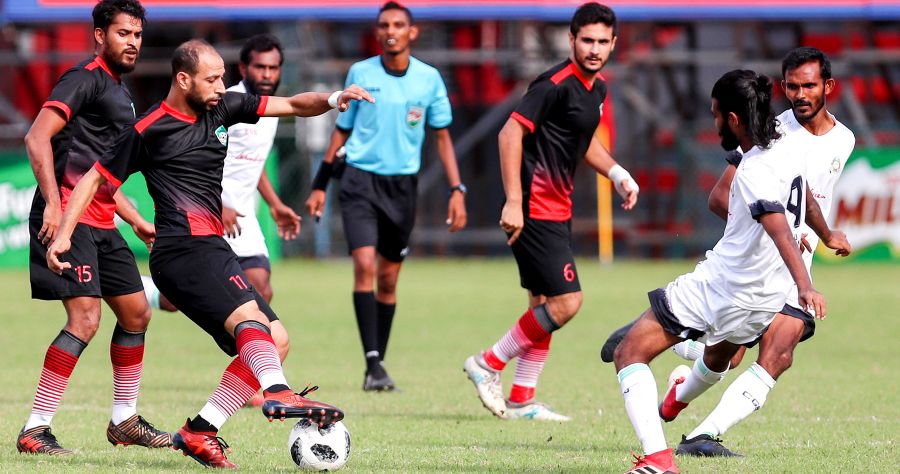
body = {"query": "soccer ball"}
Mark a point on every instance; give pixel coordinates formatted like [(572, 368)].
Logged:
[(319, 449)]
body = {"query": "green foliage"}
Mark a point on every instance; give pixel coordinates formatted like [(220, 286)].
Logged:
[(835, 411)]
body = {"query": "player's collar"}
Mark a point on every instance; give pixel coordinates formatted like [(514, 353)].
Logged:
[(174, 113), (392, 72), (100, 62)]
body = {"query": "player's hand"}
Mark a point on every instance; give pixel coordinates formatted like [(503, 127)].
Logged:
[(57, 248), (456, 212), (512, 221), (52, 217), (287, 220), (145, 231), (804, 244), (354, 92), (629, 191), (315, 204), (813, 302), (230, 223), (839, 243)]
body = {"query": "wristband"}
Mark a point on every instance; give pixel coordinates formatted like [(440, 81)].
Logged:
[(333, 99), (617, 174), (320, 182)]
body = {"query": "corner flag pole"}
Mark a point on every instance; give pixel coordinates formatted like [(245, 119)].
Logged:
[(605, 133)]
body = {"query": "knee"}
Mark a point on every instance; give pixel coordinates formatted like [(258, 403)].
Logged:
[(564, 308), (387, 284), (136, 321), (283, 345), (776, 363), (364, 269), (84, 325)]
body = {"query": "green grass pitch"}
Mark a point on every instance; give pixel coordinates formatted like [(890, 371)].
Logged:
[(837, 410)]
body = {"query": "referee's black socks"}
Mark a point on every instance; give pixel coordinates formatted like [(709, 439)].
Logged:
[(367, 322)]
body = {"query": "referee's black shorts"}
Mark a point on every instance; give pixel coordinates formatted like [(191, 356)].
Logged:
[(544, 256), (201, 276), (378, 211), (102, 265)]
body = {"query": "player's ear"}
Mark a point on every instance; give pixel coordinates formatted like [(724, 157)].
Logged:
[(99, 36), (571, 40), (183, 80), (413, 32), (783, 86), (242, 69), (829, 85), (734, 122)]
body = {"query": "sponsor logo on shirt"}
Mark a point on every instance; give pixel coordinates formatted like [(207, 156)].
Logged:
[(414, 116), (222, 135), (835, 166)]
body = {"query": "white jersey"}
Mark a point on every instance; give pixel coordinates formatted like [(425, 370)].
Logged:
[(248, 147), (827, 156), (745, 265)]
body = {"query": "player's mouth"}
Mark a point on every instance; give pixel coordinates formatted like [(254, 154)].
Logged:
[(391, 41)]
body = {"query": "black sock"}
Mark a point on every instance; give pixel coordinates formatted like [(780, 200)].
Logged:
[(367, 322), (200, 424), (385, 319), (374, 367), (277, 388)]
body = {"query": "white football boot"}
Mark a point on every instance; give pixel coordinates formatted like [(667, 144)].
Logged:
[(532, 411), (487, 383)]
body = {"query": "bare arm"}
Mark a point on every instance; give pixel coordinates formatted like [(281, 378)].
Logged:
[(48, 123), (287, 221), (599, 158), (143, 229), (718, 197), (456, 207), (309, 104), (315, 203), (836, 239), (78, 202), (267, 191), (512, 219), (777, 227)]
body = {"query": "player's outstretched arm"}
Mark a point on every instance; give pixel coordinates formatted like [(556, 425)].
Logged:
[(833, 239), (456, 207), (143, 229), (81, 196), (598, 157), (48, 123), (309, 104), (718, 197), (512, 219), (776, 226)]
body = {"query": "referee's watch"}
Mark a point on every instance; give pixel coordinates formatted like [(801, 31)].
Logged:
[(459, 187)]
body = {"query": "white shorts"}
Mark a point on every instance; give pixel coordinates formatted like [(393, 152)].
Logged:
[(251, 241), (697, 305)]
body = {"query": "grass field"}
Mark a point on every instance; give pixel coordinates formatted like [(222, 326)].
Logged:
[(837, 410)]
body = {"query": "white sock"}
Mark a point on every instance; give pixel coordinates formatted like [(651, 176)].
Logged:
[(689, 350), (37, 419), (213, 415), (699, 381), (745, 395), (122, 412), (639, 390), (150, 291)]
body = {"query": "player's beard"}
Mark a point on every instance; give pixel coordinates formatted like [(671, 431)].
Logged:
[(813, 110), (582, 62), (729, 139), (199, 103), (118, 63), (253, 87)]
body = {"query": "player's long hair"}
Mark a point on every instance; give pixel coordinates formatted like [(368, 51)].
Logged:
[(749, 96)]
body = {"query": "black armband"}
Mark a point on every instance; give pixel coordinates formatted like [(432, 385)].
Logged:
[(320, 182)]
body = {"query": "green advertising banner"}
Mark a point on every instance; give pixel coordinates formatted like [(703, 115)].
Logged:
[(17, 188), (867, 206)]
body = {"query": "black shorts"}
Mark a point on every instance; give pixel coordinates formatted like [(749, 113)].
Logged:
[(659, 303), (102, 265), (544, 255), (255, 261), (378, 211), (202, 278), (809, 322)]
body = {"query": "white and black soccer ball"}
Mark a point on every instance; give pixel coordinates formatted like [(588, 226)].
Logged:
[(315, 449)]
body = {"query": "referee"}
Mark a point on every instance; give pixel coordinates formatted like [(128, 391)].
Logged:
[(378, 187)]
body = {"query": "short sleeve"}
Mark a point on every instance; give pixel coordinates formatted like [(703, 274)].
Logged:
[(734, 157), (439, 112), (346, 118), (759, 187), (533, 108), (124, 159), (238, 107), (74, 89)]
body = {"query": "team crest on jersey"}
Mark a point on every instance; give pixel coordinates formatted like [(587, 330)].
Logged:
[(835, 166), (414, 116), (222, 135)]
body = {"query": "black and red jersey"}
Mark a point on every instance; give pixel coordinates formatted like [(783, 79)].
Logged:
[(96, 106), (562, 110), (182, 159)]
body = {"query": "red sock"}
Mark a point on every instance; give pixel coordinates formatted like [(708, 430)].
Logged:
[(256, 350), (528, 370), (59, 362), (524, 334), (128, 365), (238, 384)]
